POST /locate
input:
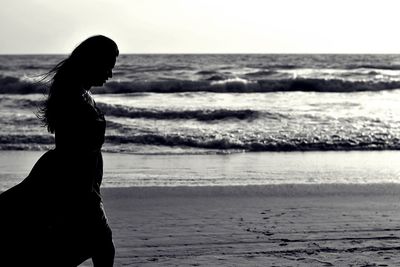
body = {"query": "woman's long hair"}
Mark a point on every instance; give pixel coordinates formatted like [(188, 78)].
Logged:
[(69, 77)]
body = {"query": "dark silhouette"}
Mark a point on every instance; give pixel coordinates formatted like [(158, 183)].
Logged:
[(55, 216)]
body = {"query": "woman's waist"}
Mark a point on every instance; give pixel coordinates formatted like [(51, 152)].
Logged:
[(94, 143), (78, 151)]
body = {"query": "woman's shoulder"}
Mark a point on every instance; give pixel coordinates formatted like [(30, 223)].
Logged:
[(78, 108)]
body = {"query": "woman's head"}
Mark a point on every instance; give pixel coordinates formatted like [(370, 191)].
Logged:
[(89, 64), (93, 60)]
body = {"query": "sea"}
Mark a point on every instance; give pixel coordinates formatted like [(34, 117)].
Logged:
[(212, 106)]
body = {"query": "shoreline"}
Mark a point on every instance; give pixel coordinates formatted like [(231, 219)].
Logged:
[(244, 169)]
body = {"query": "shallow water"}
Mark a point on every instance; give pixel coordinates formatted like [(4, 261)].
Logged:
[(262, 168)]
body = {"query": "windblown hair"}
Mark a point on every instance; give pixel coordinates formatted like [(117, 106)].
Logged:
[(69, 76)]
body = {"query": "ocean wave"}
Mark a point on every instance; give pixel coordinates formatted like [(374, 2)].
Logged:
[(14, 121), (173, 86), (274, 66), (13, 85), (296, 144), (201, 115), (249, 86), (124, 141), (33, 67), (10, 102), (217, 84), (14, 139), (156, 68), (373, 66), (261, 73)]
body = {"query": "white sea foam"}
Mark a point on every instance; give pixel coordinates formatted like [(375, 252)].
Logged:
[(219, 123)]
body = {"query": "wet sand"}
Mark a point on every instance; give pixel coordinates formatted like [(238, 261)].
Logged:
[(338, 225)]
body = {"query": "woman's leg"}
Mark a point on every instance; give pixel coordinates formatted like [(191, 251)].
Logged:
[(104, 250), (104, 253)]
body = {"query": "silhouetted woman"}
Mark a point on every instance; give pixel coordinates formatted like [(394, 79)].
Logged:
[(55, 216)]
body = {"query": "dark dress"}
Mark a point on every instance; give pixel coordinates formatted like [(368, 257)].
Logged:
[(55, 216)]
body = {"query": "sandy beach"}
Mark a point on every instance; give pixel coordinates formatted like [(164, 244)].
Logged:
[(336, 225), (287, 224)]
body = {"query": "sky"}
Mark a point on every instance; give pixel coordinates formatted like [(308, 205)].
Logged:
[(203, 26)]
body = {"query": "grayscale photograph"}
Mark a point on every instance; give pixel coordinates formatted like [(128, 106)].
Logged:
[(199, 133)]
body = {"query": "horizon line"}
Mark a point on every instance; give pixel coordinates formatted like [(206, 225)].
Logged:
[(214, 53)]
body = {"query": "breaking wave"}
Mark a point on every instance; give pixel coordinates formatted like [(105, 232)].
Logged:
[(40, 142), (256, 145), (248, 86), (13, 85), (201, 115), (215, 83)]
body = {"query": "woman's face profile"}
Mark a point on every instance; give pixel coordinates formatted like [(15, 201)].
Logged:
[(101, 72)]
